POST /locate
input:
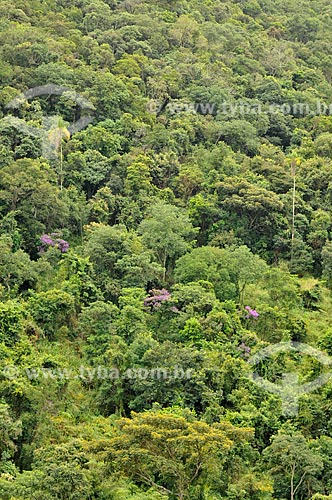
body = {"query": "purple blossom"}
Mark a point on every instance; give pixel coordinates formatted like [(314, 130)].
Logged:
[(252, 313), (157, 298), (48, 241), (62, 245)]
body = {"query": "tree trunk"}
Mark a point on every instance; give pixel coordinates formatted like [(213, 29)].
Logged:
[(61, 159), (293, 209), (164, 265), (292, 483)]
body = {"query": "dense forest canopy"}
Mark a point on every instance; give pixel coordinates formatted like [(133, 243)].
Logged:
[(165, 218)]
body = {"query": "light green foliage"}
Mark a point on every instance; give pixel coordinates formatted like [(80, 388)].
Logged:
[(16, 269), (167, 231), (142, 448), (292, 463), (118, 258), (10, 430), (207, 263), (51, 310), (12, 315), (196, 216)]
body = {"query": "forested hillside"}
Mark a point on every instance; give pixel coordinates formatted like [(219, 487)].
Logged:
[(165, 216)]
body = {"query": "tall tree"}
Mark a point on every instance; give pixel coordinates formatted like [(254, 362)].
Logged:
[(168, 232), (293, 465)]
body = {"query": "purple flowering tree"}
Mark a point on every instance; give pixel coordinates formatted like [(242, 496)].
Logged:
[(53, 240), (251, 313), (157, 298)]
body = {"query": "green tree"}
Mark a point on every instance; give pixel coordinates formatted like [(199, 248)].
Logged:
[(10, 431), (178, 456), (56, 135), (28, 187), (118, 258), (12, 316), (51, 310), (168, 232), (294, 465), (17, 271)]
